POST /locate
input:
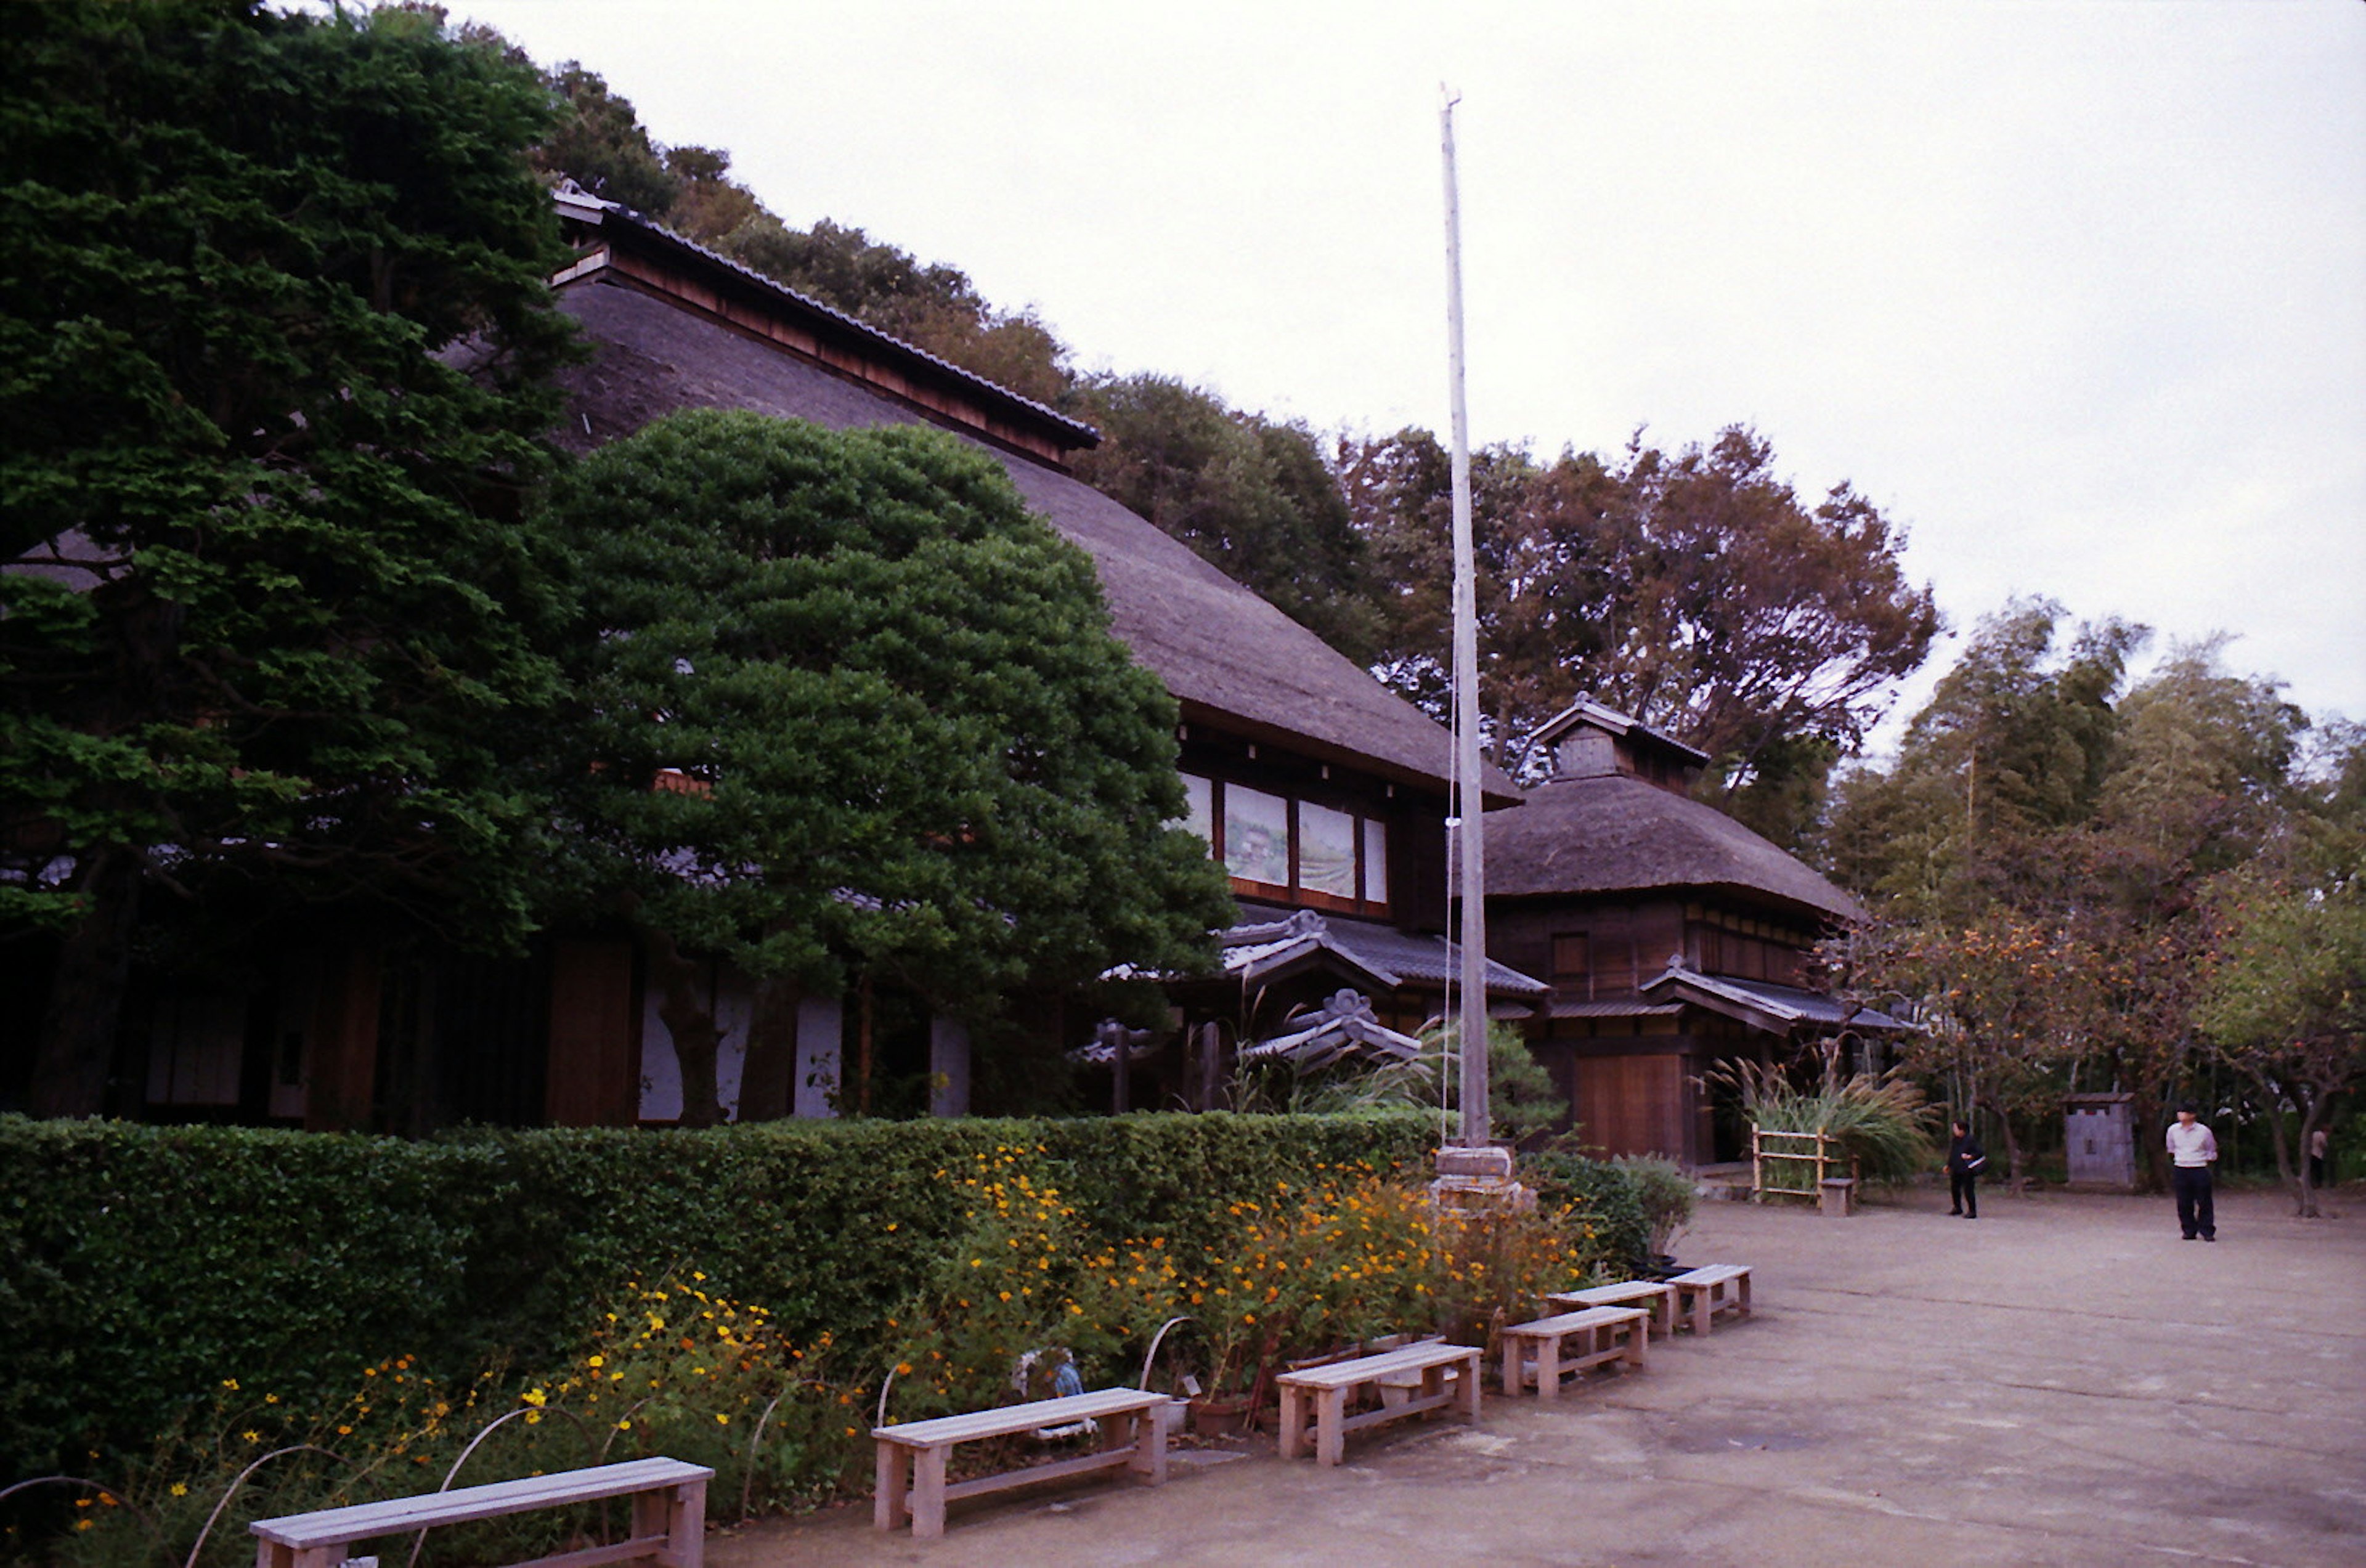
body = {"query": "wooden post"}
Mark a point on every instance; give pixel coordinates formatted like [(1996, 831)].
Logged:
[(1120, 1067), (863, 1054), (1211, 1065)]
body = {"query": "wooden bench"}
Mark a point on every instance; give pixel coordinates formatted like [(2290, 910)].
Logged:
[(1532, 1352), (1702, 1293), (668, 1517), (1331, 1388), (1661, 1296), (911, 1458)]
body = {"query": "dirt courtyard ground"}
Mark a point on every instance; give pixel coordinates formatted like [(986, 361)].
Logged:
[(2064, 1381)]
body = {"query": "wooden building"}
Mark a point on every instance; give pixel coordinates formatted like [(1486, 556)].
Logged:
[(1673, 936), (1324, 793)]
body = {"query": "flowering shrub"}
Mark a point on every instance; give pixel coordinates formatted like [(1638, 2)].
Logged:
[(1278, 1239), (1019, 1276)]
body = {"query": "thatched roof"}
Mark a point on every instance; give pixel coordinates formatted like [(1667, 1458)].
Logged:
[(1230, 659), (1614, 833)]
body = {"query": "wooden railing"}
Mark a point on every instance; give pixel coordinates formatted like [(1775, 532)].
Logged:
[(1794, 1164)]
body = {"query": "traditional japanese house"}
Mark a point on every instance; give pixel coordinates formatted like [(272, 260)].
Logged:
[(1674, 938), (1323, 794)]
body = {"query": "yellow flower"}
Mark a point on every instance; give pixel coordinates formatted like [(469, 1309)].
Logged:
[(596, 1361), (231, 1383), (180, 1489), (721, 1419)]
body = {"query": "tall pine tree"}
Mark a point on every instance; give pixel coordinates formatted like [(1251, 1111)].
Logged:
[(272, 306)]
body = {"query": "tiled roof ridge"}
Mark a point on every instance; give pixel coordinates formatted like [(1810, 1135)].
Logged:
[(568, 193)]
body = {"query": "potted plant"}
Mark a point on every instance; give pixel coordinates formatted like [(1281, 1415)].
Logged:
[(1666, 1196)]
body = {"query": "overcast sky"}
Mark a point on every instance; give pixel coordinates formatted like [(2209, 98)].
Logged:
[(2076, 292)]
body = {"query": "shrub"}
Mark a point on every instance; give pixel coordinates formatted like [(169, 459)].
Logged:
[(140, 1267), (1881, 1123), (1665, 1194), (1608, 1198)]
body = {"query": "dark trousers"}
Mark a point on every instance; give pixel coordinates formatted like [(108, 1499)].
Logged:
[(1963, 1192), (2191, 1185)]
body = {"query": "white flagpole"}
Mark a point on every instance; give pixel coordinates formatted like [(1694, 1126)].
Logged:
[(1470, 838)]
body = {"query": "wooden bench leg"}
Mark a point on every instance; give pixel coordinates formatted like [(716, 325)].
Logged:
[(1741, 1296), (1433, 1384), (277, 1554), (1294, 1420), (1150, 1447), (685, 1525), (928, 1493), (1515, 1371), (1330, 1424), (1704, 1307), (1470, 1390), (1639, 1344), (1548, 1365), (892, 1479)]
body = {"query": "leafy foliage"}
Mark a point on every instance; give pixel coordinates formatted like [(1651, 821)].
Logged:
[(2045, 849), (1881, 1123), (141, 1266), (843, 705), (1694, 590), (273, 641)]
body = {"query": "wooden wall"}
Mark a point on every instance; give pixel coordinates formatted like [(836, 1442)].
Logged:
[(593, 1079)]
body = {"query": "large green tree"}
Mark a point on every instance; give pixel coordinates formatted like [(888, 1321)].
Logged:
[(845, 708), (273, 309), (1694, 589), (2044, 848)]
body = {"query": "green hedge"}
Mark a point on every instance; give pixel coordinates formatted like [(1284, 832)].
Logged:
[(141, 1266), (1609, 1193)]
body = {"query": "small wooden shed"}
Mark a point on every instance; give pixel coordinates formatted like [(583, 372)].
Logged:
[(2099, 1141)]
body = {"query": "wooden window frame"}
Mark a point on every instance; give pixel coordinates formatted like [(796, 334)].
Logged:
[(1293, 892)]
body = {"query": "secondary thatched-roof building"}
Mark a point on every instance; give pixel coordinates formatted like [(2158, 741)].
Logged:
[(1673, 936)]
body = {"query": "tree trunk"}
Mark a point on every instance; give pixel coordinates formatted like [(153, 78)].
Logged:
[(2312, 1115), (2151, 1119), (2012, 1179), (94, 966), (768, 1084), (690, 1018)]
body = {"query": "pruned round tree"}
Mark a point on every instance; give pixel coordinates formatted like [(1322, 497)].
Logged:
[(845, 706)]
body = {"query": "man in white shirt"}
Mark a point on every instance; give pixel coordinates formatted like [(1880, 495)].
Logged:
[(2192, 1148)]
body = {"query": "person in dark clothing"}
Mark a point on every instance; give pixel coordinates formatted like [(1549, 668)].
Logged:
[(1965, 1159)]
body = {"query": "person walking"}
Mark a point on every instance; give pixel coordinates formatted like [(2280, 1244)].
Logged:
[(2316, 1144), (2192, 1149), (1965, 1159)]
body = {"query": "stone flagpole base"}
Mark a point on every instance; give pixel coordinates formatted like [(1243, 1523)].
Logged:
[(1477, 1180)]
